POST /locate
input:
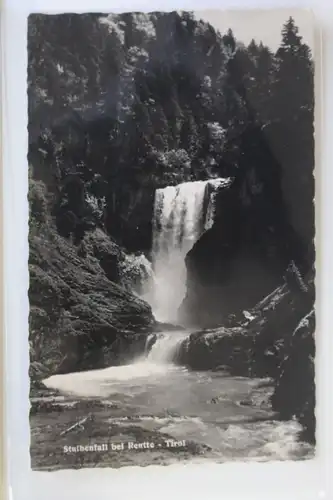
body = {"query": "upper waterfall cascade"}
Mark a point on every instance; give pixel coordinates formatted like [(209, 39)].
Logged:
[(181, 214)]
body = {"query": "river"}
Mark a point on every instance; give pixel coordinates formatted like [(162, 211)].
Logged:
[(156, 412)]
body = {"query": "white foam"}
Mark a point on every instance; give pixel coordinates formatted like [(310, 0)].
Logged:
[(180, 215), (100, 382)]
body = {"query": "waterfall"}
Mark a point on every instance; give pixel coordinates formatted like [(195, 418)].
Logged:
[(181, 214), (165, 347)]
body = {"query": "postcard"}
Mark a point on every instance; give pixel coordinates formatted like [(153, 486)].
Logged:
[(171, 238)]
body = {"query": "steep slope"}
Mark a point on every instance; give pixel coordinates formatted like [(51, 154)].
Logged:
[(79, 306)]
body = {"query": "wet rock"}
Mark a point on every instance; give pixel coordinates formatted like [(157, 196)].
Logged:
[(246, 402), (229, 348), (216, 400)]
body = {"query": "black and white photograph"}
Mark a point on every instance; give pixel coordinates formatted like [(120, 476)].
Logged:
[(171, 238)]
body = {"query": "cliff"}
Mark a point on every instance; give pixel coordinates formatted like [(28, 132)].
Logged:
[(252, 243), (82, 314)]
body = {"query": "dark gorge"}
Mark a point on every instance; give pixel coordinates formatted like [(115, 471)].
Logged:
[(123, 105)]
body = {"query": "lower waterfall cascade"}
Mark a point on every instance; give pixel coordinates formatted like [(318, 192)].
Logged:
[(163, 347)]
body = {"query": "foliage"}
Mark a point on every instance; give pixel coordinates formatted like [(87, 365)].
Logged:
[(37, 202)]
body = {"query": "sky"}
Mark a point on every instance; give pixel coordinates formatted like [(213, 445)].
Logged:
[(262, 25)]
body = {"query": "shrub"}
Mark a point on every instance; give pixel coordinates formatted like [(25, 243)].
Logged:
[(37, 202)]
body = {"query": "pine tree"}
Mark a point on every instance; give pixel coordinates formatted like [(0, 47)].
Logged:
[(263, 80), (229, 41), (295, 73), (253, 49), (291, 40)]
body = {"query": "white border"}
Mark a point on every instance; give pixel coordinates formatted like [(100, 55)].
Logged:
[(300, 480)]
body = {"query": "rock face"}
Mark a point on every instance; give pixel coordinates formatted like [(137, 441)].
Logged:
[(243, 257), (78, 306)]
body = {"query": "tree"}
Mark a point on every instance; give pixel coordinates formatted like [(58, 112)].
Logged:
[(160, 126), (229, 41), (294, 76), (262, 84), (291, 40), (189, 135)]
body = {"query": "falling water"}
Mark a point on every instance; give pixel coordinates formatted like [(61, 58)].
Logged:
[(162, 348), (181, 214)]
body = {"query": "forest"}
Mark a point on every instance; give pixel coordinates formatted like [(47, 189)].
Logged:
[(121, 104)]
